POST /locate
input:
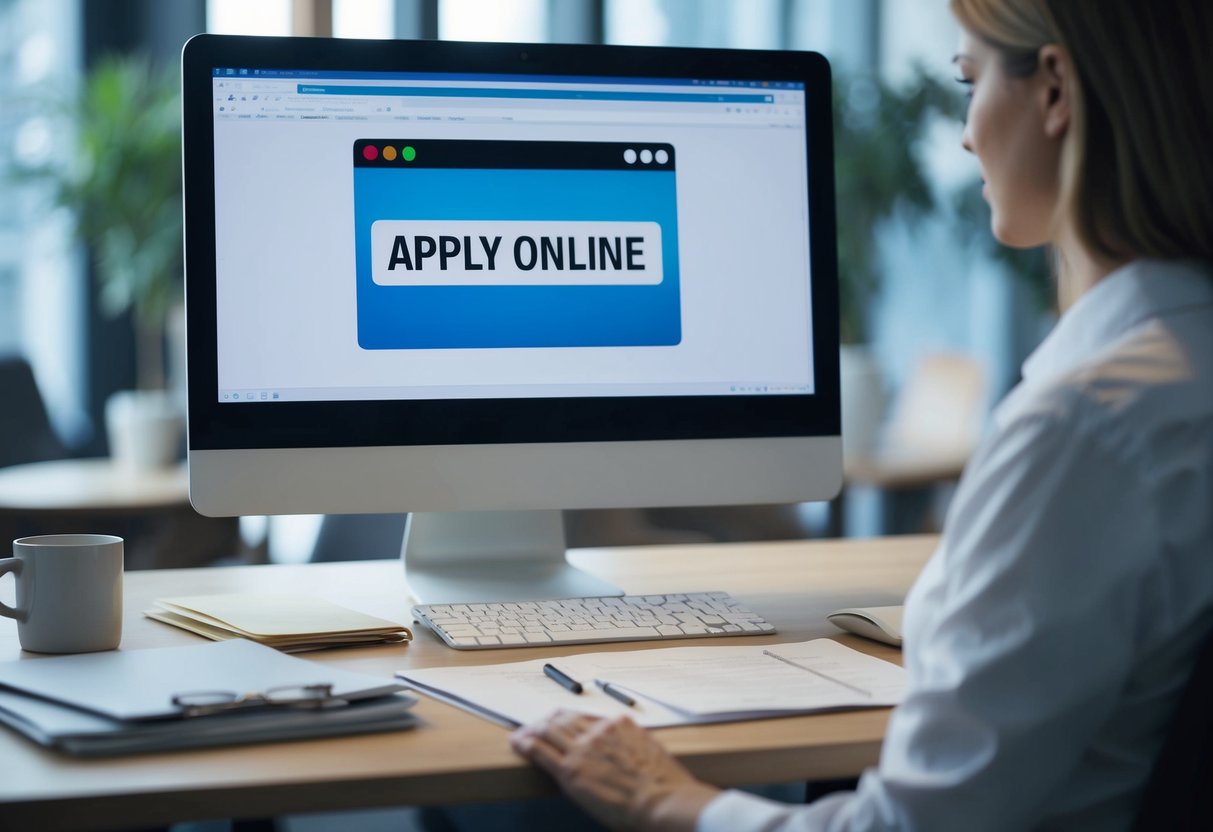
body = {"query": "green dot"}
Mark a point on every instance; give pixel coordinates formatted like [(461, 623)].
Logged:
[(407, 153)]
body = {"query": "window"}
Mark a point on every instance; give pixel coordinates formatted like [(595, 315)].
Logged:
[(506, 20), (364, 18), (42, 286), (240, 17), (749, 24)]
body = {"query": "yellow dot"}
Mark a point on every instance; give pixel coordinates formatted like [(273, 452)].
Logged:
[(389, 153)]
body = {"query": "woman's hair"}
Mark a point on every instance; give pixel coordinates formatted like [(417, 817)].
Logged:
[(1137, 174)]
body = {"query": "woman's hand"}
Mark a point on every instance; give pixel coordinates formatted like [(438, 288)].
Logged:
[(615, 771)]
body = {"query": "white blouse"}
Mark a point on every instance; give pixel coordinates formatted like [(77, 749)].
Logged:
[(1050, 635)]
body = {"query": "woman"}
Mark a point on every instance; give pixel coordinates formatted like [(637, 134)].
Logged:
[(1049, 637)]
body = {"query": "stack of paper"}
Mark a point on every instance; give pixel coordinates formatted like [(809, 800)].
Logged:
[(291, 623), (121, 701), (675, 685)]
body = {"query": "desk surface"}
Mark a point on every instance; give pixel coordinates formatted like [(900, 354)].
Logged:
[(904, 467), (453, 756), (90, 485)]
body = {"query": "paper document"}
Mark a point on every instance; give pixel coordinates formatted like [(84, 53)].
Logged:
[(676, 685), (292, 623)]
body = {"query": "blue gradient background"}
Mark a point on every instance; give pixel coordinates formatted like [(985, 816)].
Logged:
[(455, 317)]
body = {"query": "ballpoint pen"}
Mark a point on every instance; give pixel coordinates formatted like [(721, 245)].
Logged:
[(562, 679), (615, 693)]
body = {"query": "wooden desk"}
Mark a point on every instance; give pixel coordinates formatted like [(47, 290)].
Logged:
[(902, 480), (88, 486), (452, 756), (897, 468), (150, 509)]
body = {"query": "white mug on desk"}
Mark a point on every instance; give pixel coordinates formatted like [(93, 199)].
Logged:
[(69, 592)]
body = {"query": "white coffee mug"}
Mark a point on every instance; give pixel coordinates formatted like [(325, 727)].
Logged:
[(69, 592)]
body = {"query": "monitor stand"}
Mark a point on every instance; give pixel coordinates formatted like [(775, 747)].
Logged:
[(457, 557)]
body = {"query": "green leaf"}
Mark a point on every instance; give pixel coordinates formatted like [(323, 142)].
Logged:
[(879, 174), (122, 182)]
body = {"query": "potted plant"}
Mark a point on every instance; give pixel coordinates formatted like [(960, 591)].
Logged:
[(123, 185), (878, 174)]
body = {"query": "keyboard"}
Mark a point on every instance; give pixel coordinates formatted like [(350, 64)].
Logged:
[(492, 625)]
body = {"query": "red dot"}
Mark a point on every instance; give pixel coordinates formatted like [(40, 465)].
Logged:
[(370, 152)]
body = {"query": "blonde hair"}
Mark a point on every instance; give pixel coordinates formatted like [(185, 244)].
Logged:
[(1137, 171)]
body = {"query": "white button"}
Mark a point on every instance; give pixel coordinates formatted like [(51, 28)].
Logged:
[(629, 156), (646, 156), (661, 156)]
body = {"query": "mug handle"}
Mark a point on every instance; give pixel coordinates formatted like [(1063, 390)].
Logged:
[(11, 565)]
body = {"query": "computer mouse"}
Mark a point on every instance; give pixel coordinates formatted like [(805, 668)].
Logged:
[(881, 624)]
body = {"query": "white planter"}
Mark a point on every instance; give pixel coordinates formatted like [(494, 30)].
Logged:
[(863, 400), (144, 429)]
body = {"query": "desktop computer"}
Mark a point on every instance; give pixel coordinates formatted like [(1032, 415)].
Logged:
[(482, 283)]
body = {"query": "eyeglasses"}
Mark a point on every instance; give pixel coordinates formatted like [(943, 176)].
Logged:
[(204, 702)]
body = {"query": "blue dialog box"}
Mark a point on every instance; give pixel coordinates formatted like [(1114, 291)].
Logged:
[(499, 244)]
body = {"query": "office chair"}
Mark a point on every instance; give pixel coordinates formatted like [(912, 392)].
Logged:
[(935, 425), (25, 429), (1179, 793), (941, 406)]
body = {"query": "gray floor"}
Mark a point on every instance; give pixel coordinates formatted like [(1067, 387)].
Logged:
[(374, 820), (371, 820), (545, 815)]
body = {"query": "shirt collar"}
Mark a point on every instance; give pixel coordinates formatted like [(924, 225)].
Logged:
[(1129, 296)]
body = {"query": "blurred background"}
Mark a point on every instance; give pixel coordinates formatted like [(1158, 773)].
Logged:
[(936, 318)]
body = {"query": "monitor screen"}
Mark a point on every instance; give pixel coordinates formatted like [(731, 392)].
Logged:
[(395, 245), (405, 236)]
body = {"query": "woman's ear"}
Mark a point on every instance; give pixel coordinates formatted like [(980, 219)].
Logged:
[(1057, 89)]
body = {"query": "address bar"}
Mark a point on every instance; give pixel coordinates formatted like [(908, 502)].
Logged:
[(543, 94)]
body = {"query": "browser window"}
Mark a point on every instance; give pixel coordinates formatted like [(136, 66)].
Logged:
[(414, 236)]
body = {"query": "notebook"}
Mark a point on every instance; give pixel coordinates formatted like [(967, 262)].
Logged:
[(140, 684), (121, 701)]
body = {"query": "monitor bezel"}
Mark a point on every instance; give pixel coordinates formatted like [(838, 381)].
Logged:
[(213, 425)]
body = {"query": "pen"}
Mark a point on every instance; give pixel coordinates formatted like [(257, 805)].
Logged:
[(561, 679), (615, 693)]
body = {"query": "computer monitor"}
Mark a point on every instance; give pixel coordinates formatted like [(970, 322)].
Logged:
[(486, 282)]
